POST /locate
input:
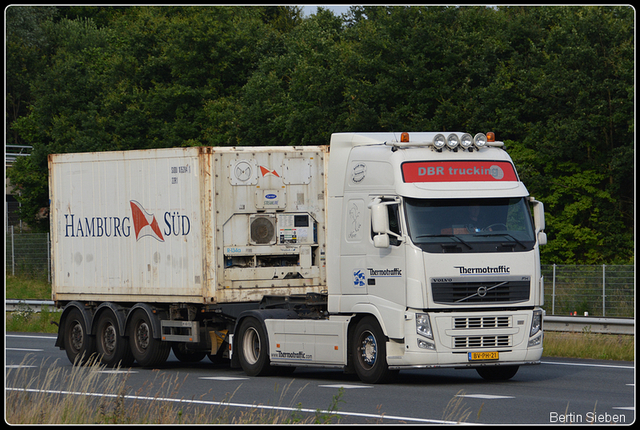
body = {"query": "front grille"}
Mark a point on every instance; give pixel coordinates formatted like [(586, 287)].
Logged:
[(480, 292), (481, 341), (482, 322)]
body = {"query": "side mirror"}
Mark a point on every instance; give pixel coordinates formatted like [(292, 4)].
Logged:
[(379, 218), (380, 225), (538, 220)]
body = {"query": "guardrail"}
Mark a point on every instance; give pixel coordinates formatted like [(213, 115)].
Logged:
[(590, 324), (551, 323)]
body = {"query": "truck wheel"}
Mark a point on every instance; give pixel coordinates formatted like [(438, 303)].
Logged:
[(147, 351), (497, 373), (252, 349), (78, 343), (113, 349), (369, 353), (185, 355)]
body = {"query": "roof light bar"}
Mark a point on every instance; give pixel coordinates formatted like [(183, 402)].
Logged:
[(451, 141)]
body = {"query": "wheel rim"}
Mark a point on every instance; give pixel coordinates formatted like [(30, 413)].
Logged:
[(368, 349), (142, 335), (251, 345), (109, 339), (77, 337)]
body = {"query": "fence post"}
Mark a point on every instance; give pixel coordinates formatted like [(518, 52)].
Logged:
[(553, 294), (603, 290), (13, 257)]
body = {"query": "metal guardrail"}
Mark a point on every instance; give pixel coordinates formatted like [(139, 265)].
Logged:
[(11, 305), (589, 324), (551, 323)]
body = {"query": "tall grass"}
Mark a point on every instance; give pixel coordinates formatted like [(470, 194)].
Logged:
[(90, 394)]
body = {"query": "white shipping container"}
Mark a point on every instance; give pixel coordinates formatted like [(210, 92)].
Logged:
[(188, 225)]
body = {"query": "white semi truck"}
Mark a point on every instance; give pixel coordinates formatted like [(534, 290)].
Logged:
[(379, 253)]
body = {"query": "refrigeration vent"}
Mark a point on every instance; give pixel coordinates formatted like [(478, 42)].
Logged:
[(263, 230)]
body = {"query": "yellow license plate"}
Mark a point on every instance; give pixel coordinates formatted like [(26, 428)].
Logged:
[(487, 355)]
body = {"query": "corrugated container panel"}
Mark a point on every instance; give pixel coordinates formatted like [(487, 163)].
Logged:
[(127, 226)]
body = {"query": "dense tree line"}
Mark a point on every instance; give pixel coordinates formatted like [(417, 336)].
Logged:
[(555, 83)]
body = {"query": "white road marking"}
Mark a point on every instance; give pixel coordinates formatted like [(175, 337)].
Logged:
[(624, 408), (223, 378), (33, 337), (589, 365), (117, 371), (240, 405), (484, 396), (346, 387), (17, 366)]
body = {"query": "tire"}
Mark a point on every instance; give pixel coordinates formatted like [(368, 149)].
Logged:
[(78, 343), (253, 348), (146, 350), (497, 373), (186, 356), (369, 353), (112, 348)]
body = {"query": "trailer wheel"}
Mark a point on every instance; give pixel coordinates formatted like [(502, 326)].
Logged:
[(369, 353), (113, 349), (78, 343), (252, 349), (497, 373), (146, 350)]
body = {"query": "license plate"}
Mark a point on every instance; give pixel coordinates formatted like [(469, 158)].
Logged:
[(487, 355)]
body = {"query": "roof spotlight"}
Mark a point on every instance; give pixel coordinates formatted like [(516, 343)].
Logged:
[(466, 141), (480, 140), (439, 141), (453, 141)]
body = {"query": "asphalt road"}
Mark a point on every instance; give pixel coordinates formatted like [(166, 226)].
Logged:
[(557, 391)]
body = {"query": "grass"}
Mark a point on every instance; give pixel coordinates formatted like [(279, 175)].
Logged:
[(86, 395), (589, 345)]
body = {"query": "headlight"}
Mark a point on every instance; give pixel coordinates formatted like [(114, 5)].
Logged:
[(439, 141), (536, 323), (423, 326), (535, 334)]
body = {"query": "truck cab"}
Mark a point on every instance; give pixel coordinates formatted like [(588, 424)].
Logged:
[(438, 244)]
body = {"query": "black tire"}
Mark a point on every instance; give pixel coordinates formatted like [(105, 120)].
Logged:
[(253, 348), (185, 355), (146, 350), (497, 373), (78, 343), (112, 348), (369, 353)]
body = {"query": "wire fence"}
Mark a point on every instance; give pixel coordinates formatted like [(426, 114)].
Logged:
[(602, 290)]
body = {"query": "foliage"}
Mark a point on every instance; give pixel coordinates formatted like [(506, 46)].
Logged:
[(555, 83)]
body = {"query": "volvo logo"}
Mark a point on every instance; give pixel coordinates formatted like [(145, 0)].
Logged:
[(482, 291)]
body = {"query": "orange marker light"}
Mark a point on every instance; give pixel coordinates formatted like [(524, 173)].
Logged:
[(404, 137), (491, 137)]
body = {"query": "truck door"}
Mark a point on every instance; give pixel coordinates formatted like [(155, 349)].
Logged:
[(385, 271)]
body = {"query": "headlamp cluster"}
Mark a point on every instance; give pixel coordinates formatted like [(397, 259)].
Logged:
[(453, 141)]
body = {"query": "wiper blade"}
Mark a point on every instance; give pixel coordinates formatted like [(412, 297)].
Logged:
[(498, 233), (446, 235)]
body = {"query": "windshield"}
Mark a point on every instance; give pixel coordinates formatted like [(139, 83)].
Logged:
[(470, 225)]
